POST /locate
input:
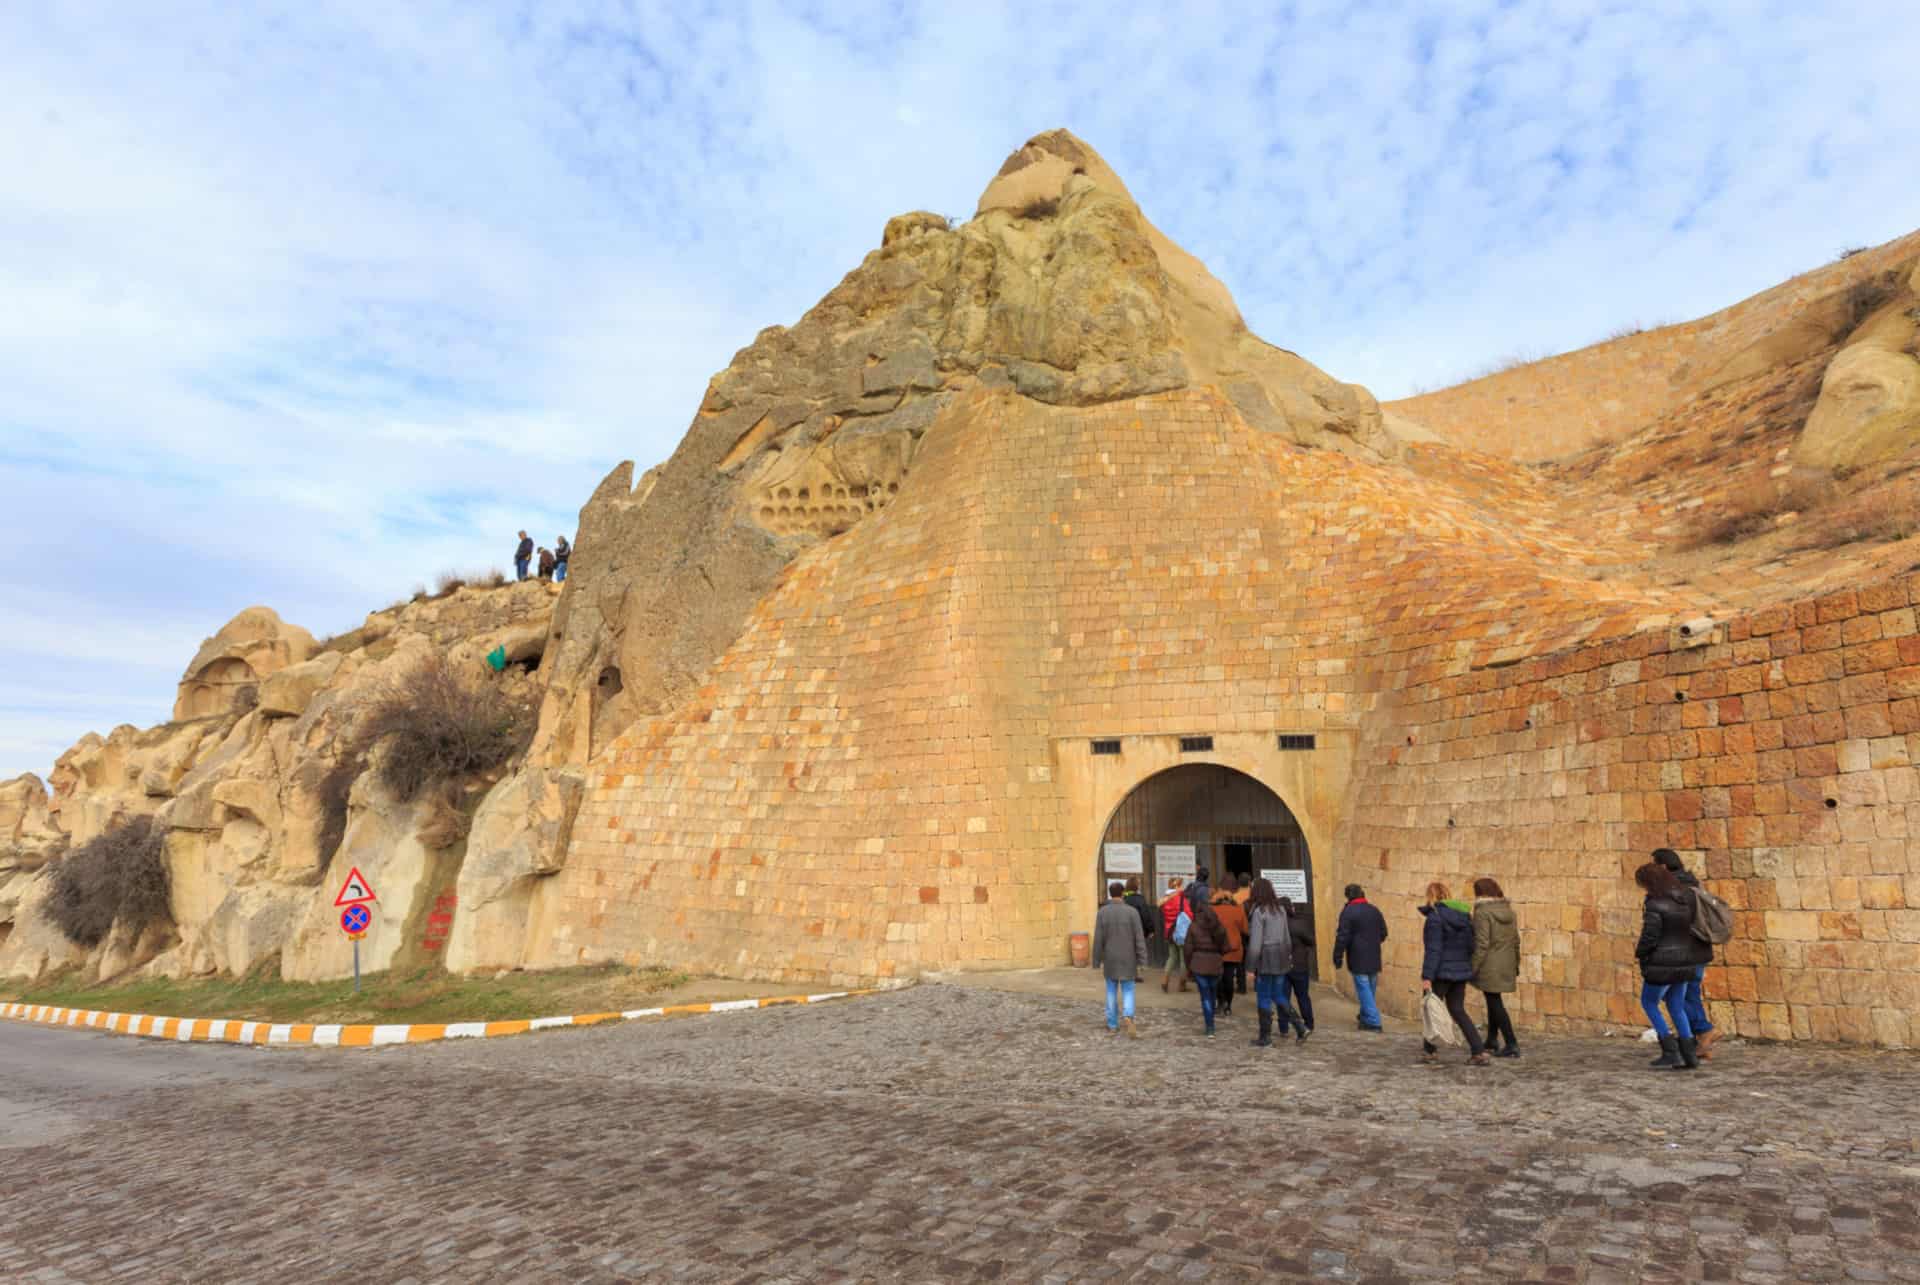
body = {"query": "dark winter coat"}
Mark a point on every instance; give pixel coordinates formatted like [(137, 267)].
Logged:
[(1449, 943), (1496, 946), (1357, 941), (1300, 928), (1667, 950), (1206, 945), (1141, 908), (1269, 944), (1119, 943), (547, 563), (524, 552), (562, 551)]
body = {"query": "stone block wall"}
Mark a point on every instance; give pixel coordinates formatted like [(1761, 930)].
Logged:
[(1779, 758)]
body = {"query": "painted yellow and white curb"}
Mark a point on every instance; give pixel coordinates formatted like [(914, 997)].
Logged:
[(228, 1031)]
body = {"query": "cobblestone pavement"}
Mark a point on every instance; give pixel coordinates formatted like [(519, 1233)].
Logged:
[(947, 1133)]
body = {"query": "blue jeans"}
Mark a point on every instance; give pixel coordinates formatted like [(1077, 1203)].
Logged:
[(1270, 991), (520, 568), (1696, 1005), (1119, 1002), (1653, 994), (559, 571), (1363, 990), (1206, 985)]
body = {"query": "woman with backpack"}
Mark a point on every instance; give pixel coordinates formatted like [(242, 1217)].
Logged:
[(1206, 947), (1447, 966), (1704, 1035), (1270, 956), (1669, 953), (1170, 911), (1299, 978), (1496, 961)]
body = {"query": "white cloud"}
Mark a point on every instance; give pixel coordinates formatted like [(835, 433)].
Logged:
[(306, 305)]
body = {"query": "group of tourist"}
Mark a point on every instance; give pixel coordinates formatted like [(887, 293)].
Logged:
[(1215, 939), (552, 564)]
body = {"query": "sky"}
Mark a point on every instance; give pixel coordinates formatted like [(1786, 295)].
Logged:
[(307, 303)]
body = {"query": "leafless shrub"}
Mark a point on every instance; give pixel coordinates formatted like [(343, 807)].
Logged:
[(1040, 207), (1512, 361), (448, 582), (119, 876), (1868, 296), (1849, 252), (492, 578), (1884, 516), (1754, 509), (434, 726)]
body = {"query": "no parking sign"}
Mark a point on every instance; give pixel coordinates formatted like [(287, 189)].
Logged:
[(354, 920)]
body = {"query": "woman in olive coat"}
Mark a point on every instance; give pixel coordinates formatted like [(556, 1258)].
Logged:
[(1496, 961)]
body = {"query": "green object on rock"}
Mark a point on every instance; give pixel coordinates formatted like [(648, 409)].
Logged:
[(497, 658)]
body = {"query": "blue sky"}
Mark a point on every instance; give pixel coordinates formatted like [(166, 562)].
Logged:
[(307, 303)]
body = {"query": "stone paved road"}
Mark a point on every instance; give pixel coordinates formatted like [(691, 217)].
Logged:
[(944, 1133)]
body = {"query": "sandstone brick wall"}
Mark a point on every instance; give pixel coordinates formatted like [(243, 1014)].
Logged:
[(1561, 405), (870, 782), (1786, 775)]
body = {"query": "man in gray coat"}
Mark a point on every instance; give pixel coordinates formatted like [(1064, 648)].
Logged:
[(1120, 948)]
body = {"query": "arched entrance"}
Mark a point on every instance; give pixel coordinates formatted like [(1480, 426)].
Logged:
[(1203, 816)]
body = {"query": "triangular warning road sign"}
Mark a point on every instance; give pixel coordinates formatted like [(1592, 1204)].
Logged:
[(356, 888)]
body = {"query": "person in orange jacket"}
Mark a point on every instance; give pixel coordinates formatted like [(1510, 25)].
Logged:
[(1233, 959)]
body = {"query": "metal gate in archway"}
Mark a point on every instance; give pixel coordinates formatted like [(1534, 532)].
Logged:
[(1202, 816)]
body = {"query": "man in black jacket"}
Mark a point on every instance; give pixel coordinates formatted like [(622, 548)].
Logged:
[(522, 555), (1356, 943), (1703, 1033)]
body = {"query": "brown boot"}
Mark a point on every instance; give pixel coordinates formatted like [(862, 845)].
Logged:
[(1703, 1046), (1128, 1029), (1183, 984), (1166, 980)]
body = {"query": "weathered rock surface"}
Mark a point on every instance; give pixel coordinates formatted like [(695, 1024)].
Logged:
[(261, 805), (520, 835), (1869, 407)]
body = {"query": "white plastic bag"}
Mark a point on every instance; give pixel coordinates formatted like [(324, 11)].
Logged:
[(1436, 1023)]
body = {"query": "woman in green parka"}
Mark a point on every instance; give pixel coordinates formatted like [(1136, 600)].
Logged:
[(1496, 961)]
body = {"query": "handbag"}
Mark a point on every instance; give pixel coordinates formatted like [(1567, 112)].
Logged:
[(1436, 1023), (1180, 927)]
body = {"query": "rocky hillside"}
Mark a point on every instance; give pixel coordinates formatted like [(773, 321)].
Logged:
[(258, 791)]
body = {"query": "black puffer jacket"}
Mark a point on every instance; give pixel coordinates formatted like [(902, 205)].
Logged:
[(1449, 943), (1667, 950), (1300, 927)]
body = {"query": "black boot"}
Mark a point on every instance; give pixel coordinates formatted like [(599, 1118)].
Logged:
[(1266, 1031), (1669, 1059), (1299, 1026), (1689, 1056)]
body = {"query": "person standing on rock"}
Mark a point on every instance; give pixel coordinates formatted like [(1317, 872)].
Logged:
[(546, 564), (1496, 961), (1447, 965), (1120, 944), (1704, 1035), (1356, 944), (1206, 946), (1233, 960), (522, 557), (1299, 978), (1176, 953), (562, 554), (1270, 955), (1669, 954)]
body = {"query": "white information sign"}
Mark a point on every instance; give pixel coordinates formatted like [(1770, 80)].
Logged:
[(1124, 859), (1173, 859), (1287, 883)]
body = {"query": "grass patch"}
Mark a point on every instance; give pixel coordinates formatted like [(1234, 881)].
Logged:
[(420, 995), (1753, 510)]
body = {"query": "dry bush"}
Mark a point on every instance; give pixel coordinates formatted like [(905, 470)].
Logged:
[(492, 578), (1849, 252), (1864, 298), (119, 876), (1627, 331), (1040, 207), (435, 725), (246, 698), (1887, 515), (1512, 361), (1752, 510), (448, 582)]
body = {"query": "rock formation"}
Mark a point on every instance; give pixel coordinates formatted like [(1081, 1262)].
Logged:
[(1019, 520)]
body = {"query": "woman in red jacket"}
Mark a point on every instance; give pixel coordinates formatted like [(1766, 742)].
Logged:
[(1176, 956)]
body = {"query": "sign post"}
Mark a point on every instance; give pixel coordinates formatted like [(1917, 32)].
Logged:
[(355, 893)]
